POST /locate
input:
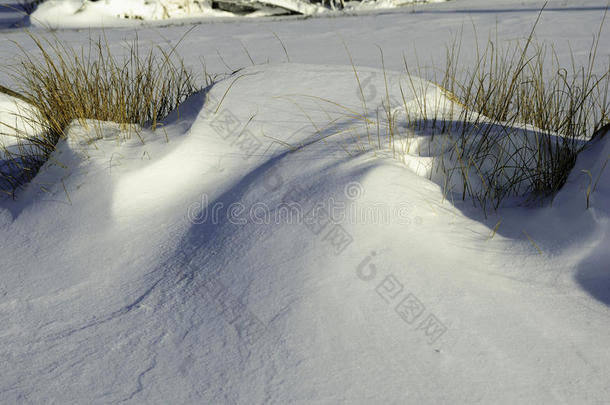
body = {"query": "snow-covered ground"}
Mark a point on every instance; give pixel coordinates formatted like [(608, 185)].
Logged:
[(111, 13), (215, 264)]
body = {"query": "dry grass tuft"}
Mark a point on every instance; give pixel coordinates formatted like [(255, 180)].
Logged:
[(64, 84), (516, 123), (546, 113)]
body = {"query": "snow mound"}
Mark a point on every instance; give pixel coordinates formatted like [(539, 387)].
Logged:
[(250, 259)]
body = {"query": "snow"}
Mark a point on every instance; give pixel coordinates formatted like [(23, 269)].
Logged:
[(18, 124), (14, 123), (81, 14), (76, 13), (193, 268)]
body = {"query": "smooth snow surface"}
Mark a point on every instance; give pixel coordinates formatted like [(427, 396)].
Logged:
[(243, 254)]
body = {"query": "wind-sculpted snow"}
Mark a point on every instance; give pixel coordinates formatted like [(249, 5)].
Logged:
[(249, 258)]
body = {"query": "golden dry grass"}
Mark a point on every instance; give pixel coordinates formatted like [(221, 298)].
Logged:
[(64, 84), (522, 121)]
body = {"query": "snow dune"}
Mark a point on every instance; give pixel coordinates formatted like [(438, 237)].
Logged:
[(250, 259)]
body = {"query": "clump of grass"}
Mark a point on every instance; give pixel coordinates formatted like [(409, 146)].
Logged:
[(511, 124), (518, 119), (63, 84)]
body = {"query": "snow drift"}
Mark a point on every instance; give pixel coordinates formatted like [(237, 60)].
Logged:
[(250, 259)]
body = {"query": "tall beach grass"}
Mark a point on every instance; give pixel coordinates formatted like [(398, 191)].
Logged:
[(514, 120), (63, 84)]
